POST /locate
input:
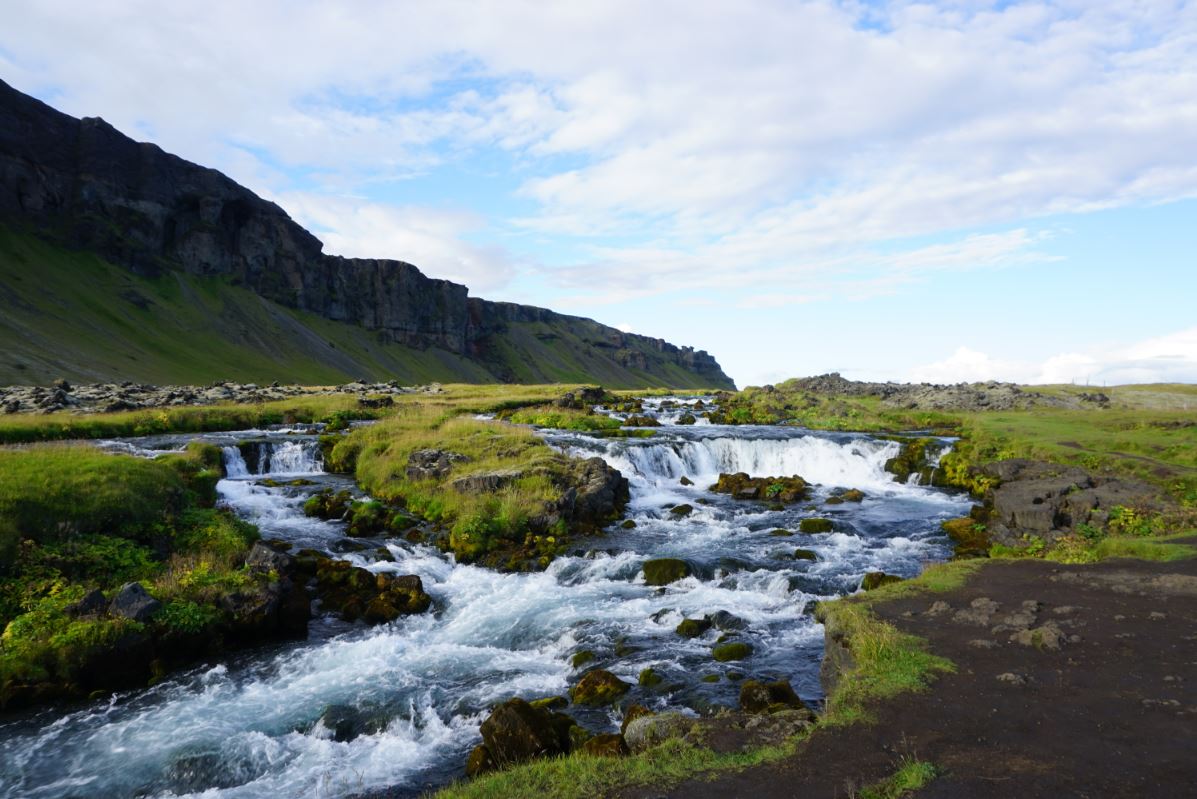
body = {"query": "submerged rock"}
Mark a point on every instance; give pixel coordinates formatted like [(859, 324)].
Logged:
[(733, 650), (692, 628)]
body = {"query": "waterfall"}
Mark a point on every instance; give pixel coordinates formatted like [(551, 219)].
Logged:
[(234, 463), (294, 457), (859, 463)]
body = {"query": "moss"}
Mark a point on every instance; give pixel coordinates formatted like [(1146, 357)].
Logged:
[(649, 678), (805, 554), (969, 537), (663, 571), (733, 650), (816, 526), (598, 687), (581, 658), (874, 580), (692, 628)]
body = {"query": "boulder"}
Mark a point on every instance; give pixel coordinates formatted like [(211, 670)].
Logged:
[(649, 678), (516, 732), (480, 761), (686, 418), (877, 579), (805, 554), (783, 490), (431, 464), (692, 628), (132, 601), (264, 558), (631, 714), (853, 495), (681, 511), (663, 571), (758, 697), (732, 650), (92, 603), (606, 745), (816, 525), (598, 687), (645, 732)]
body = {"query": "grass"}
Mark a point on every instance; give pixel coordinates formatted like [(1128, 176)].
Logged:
[(580, 776), (886, 661), (911, 776)]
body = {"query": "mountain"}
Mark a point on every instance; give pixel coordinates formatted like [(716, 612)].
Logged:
[(120, 261)]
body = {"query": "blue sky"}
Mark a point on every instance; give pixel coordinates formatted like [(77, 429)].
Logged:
[(940, 191)]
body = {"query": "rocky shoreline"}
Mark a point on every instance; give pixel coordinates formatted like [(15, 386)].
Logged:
[(112, 397)]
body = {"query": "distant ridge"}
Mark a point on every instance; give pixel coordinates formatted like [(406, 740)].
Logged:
[(196, 247)]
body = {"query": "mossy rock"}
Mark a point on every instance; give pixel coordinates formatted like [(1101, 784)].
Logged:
[(606, 745), (779, 533), (681, 511), (686, 481), (663, 571), (649, 678), (550, 703), (778, 490), (631, 714), (805, 554), (874, 580), (692, 628), (628, 524), (580, 659), (479, 761), (853, 495), (710, 678), (971, 539), (733, 650), (816, 525), (598, 687), (833, 500)]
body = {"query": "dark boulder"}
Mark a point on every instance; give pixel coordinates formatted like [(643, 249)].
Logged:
[(607, 745), (132, 601), (430, 464), (598, 687), (516, 732), (663, 571), (758, 697)]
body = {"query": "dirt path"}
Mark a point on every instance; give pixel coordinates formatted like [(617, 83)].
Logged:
[(1072, 681)]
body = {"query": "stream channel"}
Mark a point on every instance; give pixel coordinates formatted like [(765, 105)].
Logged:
[(419, 687)]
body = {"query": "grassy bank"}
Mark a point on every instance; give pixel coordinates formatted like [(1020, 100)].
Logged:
[(75, 520)]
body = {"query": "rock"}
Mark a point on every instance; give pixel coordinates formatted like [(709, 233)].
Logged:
[(833, 500), (264, 558), (628, 524), (516, 732), (598, 494), (344, 722), (598, 687), (733, 650), (550, 703), (132, 601), (631, 714), (692, 628), (816, 526), (328, 504), (727, 622), (580, 659), (686, 481), (785, 490), (686, 418), (663, 571), (853, 495), (641, 421), (645, 732), (1012, 678), (756, 697), (607, 745), (874, 580), (1048, 636), (432, 464), (479, 761), (649, 678), (805, 554), (681, 510), (92, 603)]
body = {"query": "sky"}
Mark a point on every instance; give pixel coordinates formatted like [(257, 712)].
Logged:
[(938, 191)]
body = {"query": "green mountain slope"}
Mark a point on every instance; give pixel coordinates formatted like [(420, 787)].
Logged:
[(71, 314)]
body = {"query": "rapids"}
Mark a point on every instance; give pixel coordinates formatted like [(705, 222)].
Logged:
[(418, 688)]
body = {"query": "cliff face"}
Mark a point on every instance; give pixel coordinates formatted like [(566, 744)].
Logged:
[(82, 182)]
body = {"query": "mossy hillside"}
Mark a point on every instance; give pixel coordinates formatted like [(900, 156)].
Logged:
[(72, 314)]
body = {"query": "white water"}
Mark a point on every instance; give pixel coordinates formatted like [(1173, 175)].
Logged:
[(247, 729)]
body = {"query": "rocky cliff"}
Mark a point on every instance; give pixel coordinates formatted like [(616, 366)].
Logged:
[(83, 183)]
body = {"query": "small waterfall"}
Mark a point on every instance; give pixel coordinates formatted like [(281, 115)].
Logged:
[(295, 457), (858, 463), (234, 463)]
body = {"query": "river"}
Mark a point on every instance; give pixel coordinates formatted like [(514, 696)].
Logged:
[(416, 690)]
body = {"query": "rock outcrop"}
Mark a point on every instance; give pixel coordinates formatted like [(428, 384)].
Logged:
[(82, 182)]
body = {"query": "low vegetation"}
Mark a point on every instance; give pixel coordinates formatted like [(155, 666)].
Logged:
[(76, 520)]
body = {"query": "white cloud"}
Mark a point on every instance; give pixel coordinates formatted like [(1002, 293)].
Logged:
[(1171, 358), (432, 240)]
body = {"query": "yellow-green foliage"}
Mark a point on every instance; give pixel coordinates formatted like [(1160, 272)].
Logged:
[(562, 419), (911, 776), (480, 521), (581, 776)]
